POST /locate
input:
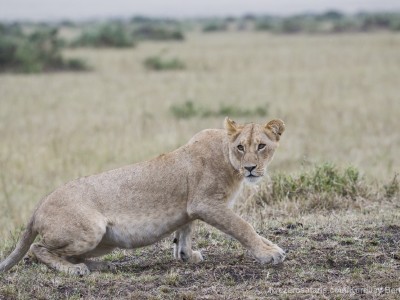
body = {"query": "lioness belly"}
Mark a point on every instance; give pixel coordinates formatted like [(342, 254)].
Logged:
[(130, 233)]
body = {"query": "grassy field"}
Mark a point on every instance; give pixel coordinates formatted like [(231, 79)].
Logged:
[(339, 97)]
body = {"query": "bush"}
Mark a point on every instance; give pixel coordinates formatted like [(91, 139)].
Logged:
[(76, 64), (188, 110), (149, 32), (37, 52), (234, 111), (324, 179), (109, 35), (212, 27), (158, 63), (324, 187)]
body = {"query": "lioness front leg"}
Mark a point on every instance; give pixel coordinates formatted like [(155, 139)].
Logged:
[(227, 221), (183, 245)]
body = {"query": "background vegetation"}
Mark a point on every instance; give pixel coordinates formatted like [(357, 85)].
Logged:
[(107, 35), (27, 47), (160, 63), (337, 92), (35, 52)]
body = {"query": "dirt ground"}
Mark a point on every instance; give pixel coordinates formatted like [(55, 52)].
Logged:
[(348, 254)]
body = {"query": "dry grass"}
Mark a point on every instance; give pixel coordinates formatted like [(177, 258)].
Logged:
[(337, 94)]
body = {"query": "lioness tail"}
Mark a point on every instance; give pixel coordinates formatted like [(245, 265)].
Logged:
[(20, 250)]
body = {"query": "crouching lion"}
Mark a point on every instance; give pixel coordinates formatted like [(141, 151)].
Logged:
[(139, 204)]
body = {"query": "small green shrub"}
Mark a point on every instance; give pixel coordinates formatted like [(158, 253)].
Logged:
[(392, 189), (76, 64), (234, 111), (158, 63), (265, 25), (184, 111), (108, 35), (189, 109), (213, 27)]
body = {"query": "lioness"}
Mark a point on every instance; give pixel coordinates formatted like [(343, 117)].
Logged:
[(139, 204)]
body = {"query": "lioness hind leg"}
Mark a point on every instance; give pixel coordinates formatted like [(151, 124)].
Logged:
[(78, 232), (183, 245), (57, 262), (93, 265)]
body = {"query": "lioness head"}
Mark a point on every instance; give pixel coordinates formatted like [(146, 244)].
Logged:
[(252, 146)]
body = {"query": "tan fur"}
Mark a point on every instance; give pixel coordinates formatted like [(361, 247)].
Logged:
[(137, 205)]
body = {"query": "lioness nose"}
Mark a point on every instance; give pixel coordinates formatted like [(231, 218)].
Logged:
[(251, 168)]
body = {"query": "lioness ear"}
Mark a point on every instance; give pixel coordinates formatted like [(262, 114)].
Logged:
[(230, 126), (277, 127)]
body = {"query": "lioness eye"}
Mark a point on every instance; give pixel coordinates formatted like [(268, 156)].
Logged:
[(261, 146), (240, 147)]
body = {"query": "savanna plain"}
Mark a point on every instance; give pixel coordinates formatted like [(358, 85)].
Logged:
[(331, 198)]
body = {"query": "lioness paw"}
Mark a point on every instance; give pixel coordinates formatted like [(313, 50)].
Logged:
[(196, 257), (193, 257), (279, 255), (272, 254), (78, 270)]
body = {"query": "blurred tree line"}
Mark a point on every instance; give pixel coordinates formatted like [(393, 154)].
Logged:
[(329, 22), (37, 47)]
